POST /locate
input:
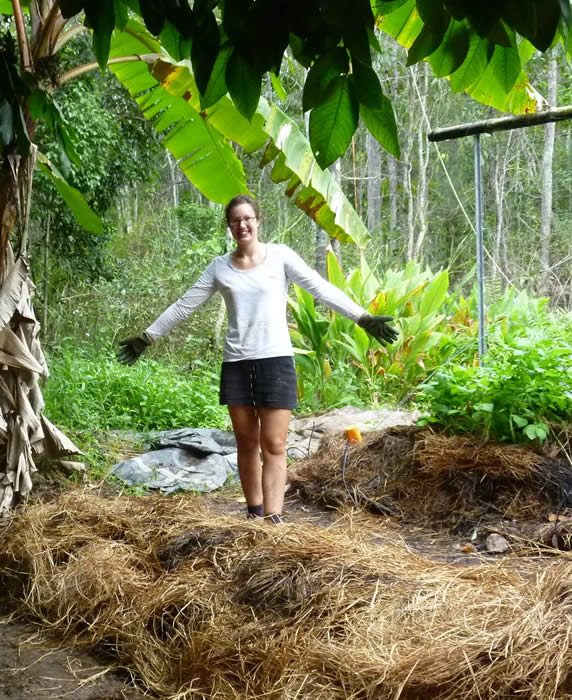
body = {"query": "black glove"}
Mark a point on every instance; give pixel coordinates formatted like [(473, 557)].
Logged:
[(132, 348), (377, 326)]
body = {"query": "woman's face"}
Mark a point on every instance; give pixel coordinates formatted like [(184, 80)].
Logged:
[(243, 224)]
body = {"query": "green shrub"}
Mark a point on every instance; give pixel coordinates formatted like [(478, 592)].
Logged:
[(525, 385), (327, 345), (92, 390)]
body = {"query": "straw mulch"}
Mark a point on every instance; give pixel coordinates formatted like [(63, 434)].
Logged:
[(197, 605), (435, 480)]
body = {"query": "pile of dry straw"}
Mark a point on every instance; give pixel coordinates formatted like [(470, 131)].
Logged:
[(435, 480), (197, 605)]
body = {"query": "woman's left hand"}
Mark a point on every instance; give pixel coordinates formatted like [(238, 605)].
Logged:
[(378, 327)]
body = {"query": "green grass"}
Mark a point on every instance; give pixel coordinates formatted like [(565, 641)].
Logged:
[(90, 390)]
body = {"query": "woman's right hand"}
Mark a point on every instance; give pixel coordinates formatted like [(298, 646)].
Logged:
[(131, 349)]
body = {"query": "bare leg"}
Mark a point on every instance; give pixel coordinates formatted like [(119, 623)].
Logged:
[(246, 427), (273, 435)]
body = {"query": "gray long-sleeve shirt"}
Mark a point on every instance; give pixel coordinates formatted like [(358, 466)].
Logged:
[(256, 301)]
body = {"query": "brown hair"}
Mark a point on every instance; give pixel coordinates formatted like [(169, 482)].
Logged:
[(241, 199)]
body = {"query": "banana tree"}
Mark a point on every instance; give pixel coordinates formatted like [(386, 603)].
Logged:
[(26, 435), (199, 139)]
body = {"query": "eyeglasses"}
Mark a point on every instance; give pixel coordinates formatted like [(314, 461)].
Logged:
[(246, 219)]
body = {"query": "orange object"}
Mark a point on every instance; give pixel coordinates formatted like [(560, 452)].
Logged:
[(353, 434)]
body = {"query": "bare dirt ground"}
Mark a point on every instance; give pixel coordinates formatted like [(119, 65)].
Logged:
[(41, 672)]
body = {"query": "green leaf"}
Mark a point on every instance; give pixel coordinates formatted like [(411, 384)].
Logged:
[(101, 18), (453, 50), (368, 281), (335, 273), (485, 407), (244, 84), (174, 42), (538, 22), (381, 124), (356, 40), (154, 15), (403, 24), (321, 197), (216, 87), (121, 14), (65, 134), (502, 35), (333, 122), (69, 8), (433, 14), (327, 68), (73, 198), (519, 421), (209, 162), (505, 65), (474, 64), (459, 8), (435, 294), (535, 431), (426, 43), (21, 129), (205, 46), (278, 87), (483, 17), (366, 85), (386, 7)]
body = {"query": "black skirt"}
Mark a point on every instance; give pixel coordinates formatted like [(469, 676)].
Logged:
[(266, 383)]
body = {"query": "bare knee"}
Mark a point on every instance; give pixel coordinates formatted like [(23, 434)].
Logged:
[(247, 443), (274, 445)]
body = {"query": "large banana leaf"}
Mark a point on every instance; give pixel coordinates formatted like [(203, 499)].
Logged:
[(501, 84), (166, 92), (84, 215)]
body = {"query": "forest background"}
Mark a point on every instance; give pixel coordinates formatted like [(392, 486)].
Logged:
[(419, 265)]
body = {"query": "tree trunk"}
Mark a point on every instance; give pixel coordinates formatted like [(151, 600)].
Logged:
[(422, 164), (406, 158), (373, 183), (335, 245), (546, 193), (393, 174), (499, 170)]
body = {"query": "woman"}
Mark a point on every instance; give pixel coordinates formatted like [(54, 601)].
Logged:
[(258, 378)]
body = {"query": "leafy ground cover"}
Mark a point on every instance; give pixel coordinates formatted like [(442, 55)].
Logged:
[(151, 395)]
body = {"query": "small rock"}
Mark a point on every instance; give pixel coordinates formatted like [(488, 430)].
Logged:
[(497, 544)]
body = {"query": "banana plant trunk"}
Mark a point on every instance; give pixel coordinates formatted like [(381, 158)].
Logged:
[(26, 435)]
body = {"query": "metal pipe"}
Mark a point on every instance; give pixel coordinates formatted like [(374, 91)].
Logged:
[(488, 126), (480, 257)]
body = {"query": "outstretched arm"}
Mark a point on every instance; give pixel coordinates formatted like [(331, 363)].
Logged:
[(202, 290), (331, 296), (132, 348)]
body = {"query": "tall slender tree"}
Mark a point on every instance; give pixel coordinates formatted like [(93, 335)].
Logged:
[(547, 177)]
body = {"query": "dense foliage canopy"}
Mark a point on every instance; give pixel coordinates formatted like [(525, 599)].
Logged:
[(232, 44)]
